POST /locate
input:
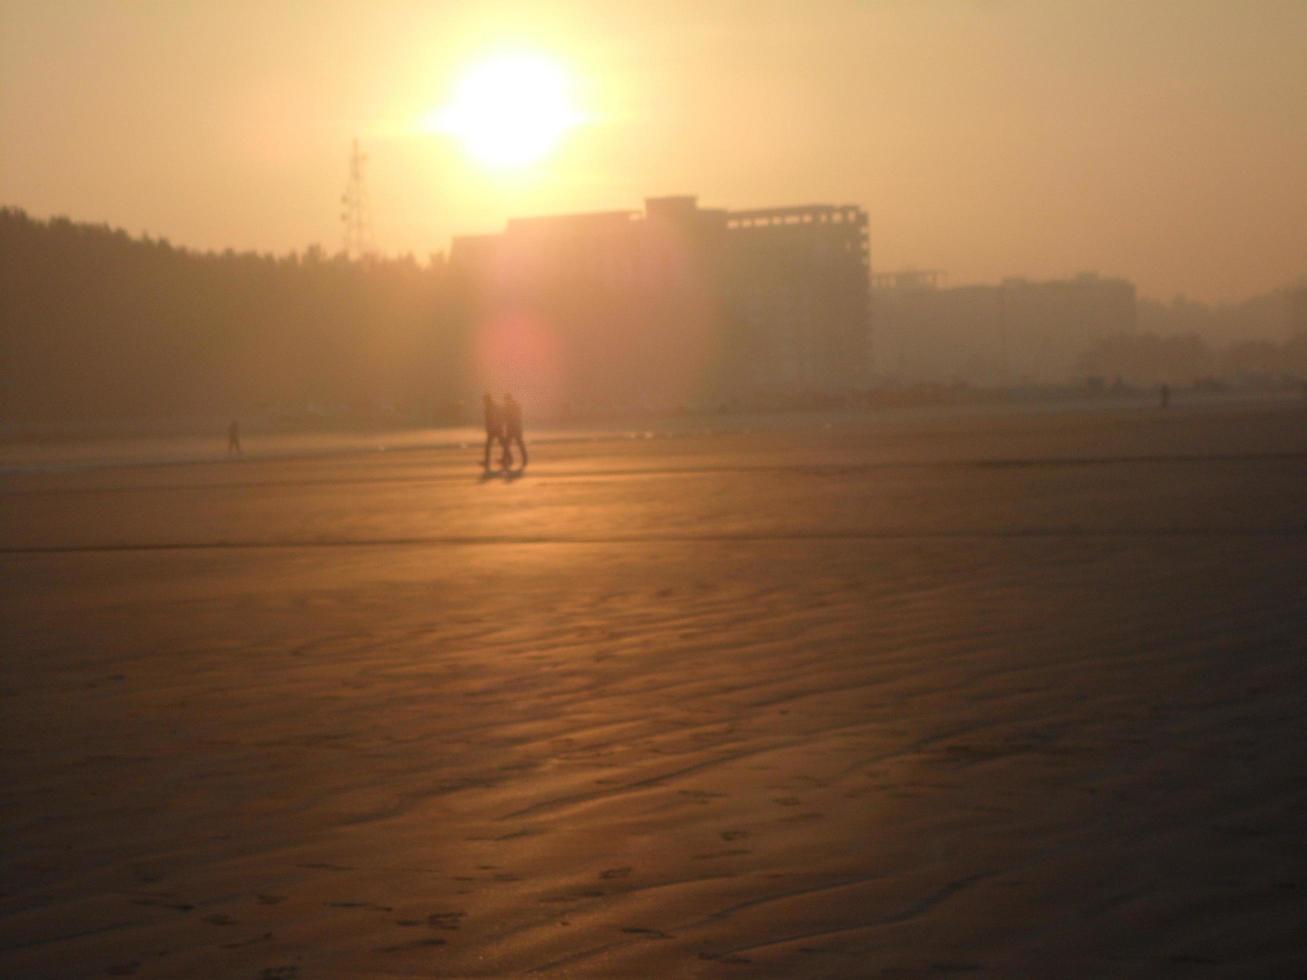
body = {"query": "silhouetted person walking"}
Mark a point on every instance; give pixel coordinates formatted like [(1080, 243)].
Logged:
[(513, 429), (494, 429), (234, 439)]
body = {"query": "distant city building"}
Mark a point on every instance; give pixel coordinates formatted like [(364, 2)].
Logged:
[(678, 305), (1018, 331), (1297, 312), (910, 279)]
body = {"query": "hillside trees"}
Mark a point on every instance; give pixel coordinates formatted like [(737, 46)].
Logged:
[(95, 324)]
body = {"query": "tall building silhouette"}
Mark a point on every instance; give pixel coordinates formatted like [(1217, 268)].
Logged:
[(677, 305)]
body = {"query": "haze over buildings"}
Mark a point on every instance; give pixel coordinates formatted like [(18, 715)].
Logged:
[(1158, 141), (678, 305), (1158, 144), (1016, 331)]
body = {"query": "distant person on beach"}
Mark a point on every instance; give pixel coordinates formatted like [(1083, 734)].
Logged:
[(234, 439), (513, 429), (494, 429), (1164, 396)]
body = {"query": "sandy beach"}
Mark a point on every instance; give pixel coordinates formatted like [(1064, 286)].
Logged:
[(993, 694)]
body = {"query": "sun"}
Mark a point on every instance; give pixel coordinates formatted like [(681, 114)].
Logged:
[(509, 111)]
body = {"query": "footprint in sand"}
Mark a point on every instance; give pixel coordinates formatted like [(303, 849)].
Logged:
[(615, 873), (732, 852), (270, 899), (801, 817), (650, 933), (123, 969), (253, 940), (701, 796), (515, 767), (575, 895), (445, 920), (165, 903), (734, 834), (729, 958), (279, 973), (368, 906), (787, 800), (513, 835), (219, 919), (416, 944)]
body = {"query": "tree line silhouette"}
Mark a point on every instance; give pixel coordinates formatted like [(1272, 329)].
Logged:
[(95, 324), (98, 325)]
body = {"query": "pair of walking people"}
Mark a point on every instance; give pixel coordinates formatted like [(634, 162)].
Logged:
[(503, 425)]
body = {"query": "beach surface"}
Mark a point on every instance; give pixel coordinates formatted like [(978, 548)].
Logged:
[(942, 694)]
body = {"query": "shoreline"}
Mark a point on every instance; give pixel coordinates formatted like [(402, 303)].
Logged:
[(78, 448)]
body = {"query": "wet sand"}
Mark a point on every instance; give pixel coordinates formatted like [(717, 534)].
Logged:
[(994, 695)]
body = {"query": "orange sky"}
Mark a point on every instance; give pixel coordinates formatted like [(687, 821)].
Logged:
[(1163, 140)]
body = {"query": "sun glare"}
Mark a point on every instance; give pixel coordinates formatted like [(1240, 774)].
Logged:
[(509, 111)]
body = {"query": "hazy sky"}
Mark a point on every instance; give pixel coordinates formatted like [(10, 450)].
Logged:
[(1163, 140)]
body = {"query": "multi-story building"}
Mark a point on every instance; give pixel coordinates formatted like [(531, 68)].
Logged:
[(678, 305), (1016, 332)]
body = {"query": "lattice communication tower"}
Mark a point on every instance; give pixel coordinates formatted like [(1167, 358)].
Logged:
[(355, 213)]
